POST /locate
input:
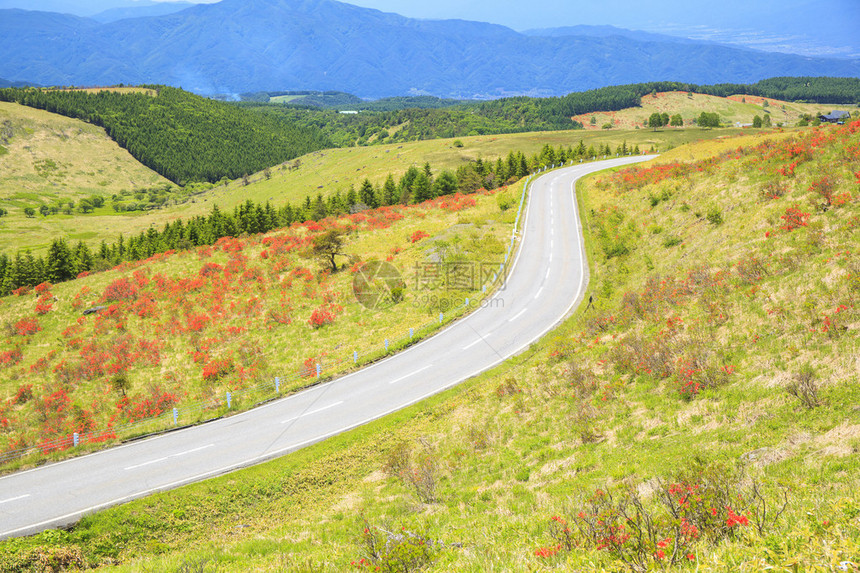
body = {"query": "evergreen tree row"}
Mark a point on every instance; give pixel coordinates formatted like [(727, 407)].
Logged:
[(64, 262)]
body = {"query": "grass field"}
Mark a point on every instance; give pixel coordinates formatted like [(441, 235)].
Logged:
[(732, 110), (285, 98), (714, 383)]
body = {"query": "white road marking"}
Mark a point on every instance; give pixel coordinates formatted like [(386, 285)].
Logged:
[(150, 462), (519, 314), (473, 344), (11, 499), (318, 410), (410, 374), (538, 293)]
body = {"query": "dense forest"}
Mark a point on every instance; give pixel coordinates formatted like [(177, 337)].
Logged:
[(181, 136), (64, 262)]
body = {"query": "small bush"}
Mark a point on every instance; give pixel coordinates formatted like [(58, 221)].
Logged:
[(804, 387), (393, 552), (715, 216)]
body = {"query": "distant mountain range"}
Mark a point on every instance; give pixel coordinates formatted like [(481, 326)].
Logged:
[(239, 46)]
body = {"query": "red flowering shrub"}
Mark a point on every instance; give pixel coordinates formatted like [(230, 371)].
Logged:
[(321, 317), (24, 394), (217, 369), (794, 218), (210, 269), (698, 506), (417, 236), (196, 322), (44, 304), (10, 357), (120, 289), (27, 326)]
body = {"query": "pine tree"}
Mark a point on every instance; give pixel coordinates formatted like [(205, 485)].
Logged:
[(389, 191), (368, 195), (60, 263), (422, 189)]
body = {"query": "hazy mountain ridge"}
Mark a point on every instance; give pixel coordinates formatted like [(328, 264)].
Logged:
[(256, 45)]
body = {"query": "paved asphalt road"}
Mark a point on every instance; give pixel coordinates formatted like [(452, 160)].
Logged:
[(547, 280)]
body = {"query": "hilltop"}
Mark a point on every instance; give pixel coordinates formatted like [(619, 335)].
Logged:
[(710, 393)]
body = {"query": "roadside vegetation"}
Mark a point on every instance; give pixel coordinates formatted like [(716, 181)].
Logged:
[(180, 329), (699, 415)]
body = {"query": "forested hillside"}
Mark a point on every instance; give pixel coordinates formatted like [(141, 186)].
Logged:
[(182, 136)]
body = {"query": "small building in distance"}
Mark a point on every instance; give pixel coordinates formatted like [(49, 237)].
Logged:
[(836, 116)]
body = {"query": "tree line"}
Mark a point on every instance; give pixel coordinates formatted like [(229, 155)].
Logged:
[(64, 262)]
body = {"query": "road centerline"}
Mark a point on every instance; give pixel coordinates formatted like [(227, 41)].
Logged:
[(165, 458), (402, 378), (312, 412)]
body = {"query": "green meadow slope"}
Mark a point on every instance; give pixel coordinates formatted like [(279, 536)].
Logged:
[(702, 414)]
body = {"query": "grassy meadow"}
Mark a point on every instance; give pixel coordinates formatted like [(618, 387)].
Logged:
[(51, 159), (702, 415)]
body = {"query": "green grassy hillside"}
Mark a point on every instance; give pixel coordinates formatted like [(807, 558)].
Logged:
[(50, 160), (701, 415)]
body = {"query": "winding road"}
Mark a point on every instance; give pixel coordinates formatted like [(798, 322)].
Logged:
[(547, 280)]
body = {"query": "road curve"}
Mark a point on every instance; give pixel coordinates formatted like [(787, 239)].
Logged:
[(547, 280)]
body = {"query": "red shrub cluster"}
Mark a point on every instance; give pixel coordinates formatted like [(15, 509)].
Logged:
[(120, 289), (27, 326), (44, 304), (217, 369), (417, 236), (322, 316), (10, 357), (794, 219)]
